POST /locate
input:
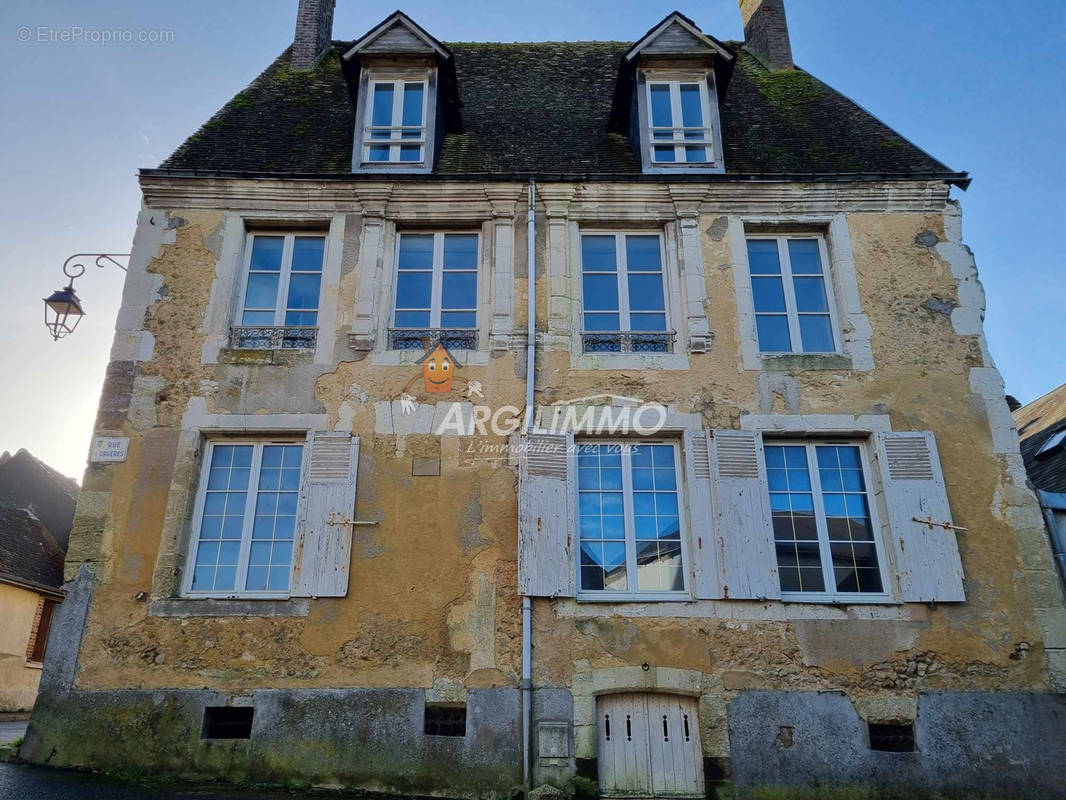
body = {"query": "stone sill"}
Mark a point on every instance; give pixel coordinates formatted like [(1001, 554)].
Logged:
[(266, 357), (206, 607), (795, 362)]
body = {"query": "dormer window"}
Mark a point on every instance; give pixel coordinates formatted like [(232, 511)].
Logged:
[(396, 132), (679, 131), (398, 114)]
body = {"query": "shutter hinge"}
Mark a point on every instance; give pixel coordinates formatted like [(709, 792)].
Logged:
[(334, 519)]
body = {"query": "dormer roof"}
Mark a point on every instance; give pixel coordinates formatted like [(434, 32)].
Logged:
[(677, 35), (397, 34)]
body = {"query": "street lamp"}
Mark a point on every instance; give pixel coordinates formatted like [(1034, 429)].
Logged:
[(62, 308)]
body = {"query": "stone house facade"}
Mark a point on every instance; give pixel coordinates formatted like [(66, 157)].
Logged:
[(712, 480)]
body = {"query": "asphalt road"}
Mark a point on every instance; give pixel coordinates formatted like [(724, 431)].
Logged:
[(25, 782)]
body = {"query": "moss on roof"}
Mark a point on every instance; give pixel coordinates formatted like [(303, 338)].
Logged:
[(546, 107)]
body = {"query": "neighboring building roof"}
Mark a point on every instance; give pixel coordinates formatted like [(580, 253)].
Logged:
[(1039, 423), (549, 109), (26, 482), (28, 553)]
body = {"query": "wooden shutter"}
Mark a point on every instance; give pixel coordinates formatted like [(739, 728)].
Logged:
[(700, 522), (747, 558), (327, 505), (927, 556), (547, 516)]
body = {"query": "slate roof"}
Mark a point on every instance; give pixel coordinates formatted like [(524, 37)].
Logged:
[(26, 482), (28, 553), (1037, 422), (546, 109)]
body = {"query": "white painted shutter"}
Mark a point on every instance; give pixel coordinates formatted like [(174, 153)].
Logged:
[(747, 558), (327, 505), (927, 556), (700, 523), (547, 516)]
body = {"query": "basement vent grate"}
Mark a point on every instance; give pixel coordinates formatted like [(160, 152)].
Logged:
[(891, 738), (445, 721), (227, 722)]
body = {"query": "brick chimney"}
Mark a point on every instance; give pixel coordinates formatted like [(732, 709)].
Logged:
[(314, 30), (766, 32)]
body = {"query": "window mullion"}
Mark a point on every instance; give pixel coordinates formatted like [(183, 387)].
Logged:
[(627, 513), (830, 299), (676, 120), (682, 490), (437, 281), (281, 302), (820, 522), (250, 500), (790, 295), (622, 268), (397, 118)]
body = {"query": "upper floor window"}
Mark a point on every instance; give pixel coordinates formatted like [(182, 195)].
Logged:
[(680, 131), (824, 529), (245, 519), (623, 293), (794, 310), (436, 290), (282, 287), (629, 519), (396, 123)]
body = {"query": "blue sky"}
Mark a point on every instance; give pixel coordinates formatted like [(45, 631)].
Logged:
[(978, 88)]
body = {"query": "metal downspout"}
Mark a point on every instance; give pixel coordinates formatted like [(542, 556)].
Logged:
[(531, 361)]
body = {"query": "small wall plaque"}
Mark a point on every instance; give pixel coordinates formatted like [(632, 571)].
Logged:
[(109, 449)]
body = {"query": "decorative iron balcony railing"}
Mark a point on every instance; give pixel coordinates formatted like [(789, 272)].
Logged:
[(424, 338), (273, 337), (627, 341)]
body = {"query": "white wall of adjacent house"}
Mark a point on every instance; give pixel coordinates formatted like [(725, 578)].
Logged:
[(18, 677)]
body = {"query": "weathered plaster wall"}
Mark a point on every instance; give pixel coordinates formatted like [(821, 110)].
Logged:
[(18, 679), (432, 603)]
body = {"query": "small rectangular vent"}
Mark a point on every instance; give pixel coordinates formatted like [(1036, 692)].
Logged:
[(227, 722), (445, 721), (331, 457), (546, 455), (891, 738), (701, 458), (909, 458), (737, 455)]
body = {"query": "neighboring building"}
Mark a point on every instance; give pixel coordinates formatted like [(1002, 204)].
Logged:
[(321, 563), (26, 482), (1042, 427), (31, 572)]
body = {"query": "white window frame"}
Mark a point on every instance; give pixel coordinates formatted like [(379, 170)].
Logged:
[(397, 127), (592, 595), (622, 269), (281, 302), (679, 144), (248, 520), (791, 312), (824, 550), (436, 296)]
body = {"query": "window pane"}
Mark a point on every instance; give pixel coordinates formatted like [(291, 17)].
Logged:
[(266, 252), (412, 103), (769, 294), (804, 256), (763, 257), (600, 292), (379, 153), (810, 294), (792, 510), (660, 104), (413, 289), (412, 319), (257, 318), (695, 154), (646, 293), (817, 333), (691, 108), (307, 252), (597, 253), (647, 322), (460, 251), (458, 319), (303, 290), (459, 290), (600, 519), (773, 333), (642, 253), (416, 251), (854, 554), (664, 153), (410, 152), (262, 290), (222, 519), (382, 114), (601, 322)]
